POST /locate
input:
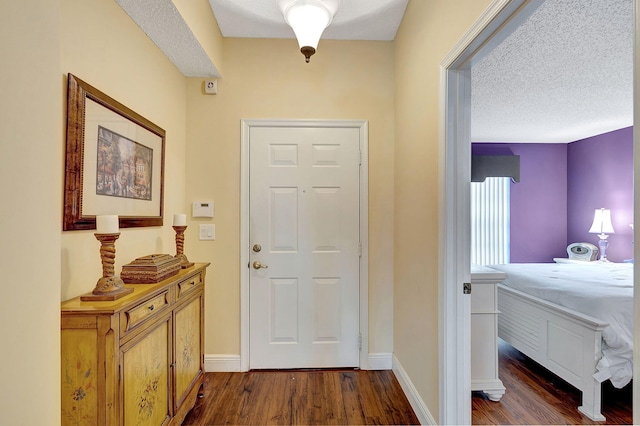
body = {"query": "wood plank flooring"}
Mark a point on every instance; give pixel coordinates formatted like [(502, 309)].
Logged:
[(536, 396), (313, 397)]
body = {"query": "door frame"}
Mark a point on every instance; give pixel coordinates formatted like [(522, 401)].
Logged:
[(245, 246), (498, 21)]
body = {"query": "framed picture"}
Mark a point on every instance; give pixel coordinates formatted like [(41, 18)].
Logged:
[(114, 162)]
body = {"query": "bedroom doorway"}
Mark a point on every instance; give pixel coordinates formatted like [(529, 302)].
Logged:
[(501, 19)]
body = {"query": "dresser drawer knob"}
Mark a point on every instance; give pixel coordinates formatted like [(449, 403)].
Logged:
[(151, 307)]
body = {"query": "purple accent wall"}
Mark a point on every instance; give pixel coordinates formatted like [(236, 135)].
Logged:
[(560, 187), (538, 201), (600, 174)]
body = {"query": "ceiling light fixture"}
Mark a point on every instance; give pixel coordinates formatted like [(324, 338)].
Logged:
[(308, 19)]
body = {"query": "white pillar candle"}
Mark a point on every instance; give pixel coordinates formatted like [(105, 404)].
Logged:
[(180, 219), (107, 224)]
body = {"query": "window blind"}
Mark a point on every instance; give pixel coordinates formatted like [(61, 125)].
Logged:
[(490, 221)]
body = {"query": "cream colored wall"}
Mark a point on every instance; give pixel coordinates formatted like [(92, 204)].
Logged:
[(429, 30), (30, 213), (269, 79), (101, 45)]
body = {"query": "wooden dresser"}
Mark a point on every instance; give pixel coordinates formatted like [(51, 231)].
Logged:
[(137, 360)]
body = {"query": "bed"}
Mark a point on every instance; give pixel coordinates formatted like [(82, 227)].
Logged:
[(575, 319)]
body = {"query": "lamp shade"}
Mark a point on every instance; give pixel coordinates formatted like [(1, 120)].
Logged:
[(602, 222), (308, 19)]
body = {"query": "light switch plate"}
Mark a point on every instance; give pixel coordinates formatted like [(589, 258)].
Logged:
[(208, 232)]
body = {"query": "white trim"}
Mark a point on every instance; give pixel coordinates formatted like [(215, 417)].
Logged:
[(244, 246), (410, 391), (455, 268), (363, 127), (500, 18), (218, 363), (380, 361), (636, 213)]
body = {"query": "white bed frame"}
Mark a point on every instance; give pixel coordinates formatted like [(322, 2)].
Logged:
[(564, 341)]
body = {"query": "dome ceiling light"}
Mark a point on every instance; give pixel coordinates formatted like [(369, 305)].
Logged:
[(308, 19)]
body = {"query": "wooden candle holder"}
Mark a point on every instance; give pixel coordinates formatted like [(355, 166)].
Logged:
[(184, 262), (109, 287)]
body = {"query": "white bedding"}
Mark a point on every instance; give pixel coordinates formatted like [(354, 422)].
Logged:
[(601, 290)]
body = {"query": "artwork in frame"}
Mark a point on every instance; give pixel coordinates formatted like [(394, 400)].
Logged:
[(114, 162)]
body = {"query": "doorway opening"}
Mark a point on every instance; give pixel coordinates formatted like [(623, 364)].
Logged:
[(497, 23)]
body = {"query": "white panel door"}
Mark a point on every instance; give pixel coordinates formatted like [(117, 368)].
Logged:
[(304, 216)]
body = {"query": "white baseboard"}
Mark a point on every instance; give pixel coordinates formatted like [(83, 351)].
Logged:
[(418, 405), (380, 361), (219, 363)]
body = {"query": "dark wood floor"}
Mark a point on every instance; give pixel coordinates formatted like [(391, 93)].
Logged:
[(536, 396), (355, 397), (325, 397)]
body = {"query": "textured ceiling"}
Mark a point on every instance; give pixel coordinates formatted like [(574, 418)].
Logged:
[(162, 22), (564, 74)]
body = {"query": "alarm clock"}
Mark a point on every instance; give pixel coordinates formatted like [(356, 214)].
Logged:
[(582, 251)]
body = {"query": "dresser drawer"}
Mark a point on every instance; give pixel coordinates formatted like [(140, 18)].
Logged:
[(189, 285), (148, 309)]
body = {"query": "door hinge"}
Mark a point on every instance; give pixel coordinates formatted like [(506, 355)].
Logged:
[(360, 157), (466, 288), (359, 249), (360, 341)]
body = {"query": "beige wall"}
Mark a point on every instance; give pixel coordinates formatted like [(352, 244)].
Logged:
[(30, 213), (429, 30), (101, 45), (269, 79), (41, 42)]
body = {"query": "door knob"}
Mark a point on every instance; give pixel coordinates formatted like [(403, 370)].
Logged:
[(258, 265)]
